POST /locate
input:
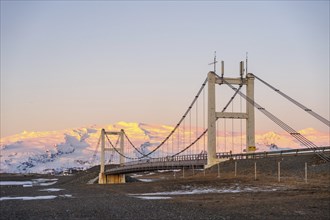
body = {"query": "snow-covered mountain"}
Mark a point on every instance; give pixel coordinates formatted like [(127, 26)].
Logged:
[(56, 151)]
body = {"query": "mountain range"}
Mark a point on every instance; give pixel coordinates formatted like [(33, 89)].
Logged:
[(78, 149)]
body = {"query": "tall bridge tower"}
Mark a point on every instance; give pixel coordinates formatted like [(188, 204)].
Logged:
[(248, 81)]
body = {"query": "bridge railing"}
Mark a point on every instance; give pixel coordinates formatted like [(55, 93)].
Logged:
[(190, 157), (199, 160), (228, 155)]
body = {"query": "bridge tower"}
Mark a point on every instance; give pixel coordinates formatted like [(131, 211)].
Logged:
[(118, 178), (248, 81)]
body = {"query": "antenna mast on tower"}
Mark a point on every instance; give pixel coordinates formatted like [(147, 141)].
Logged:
[(246, 61), (214, 61)]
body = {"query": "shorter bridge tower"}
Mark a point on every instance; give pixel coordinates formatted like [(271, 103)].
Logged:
[(111, 178)]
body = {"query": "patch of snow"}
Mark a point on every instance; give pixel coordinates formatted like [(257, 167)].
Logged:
[(136, 175), (193, 191), (51, 190), (48, 184), (147, 180), (163, 171), (25, 198), (92, 181), (15, 183), (28, 198), (33, 182), (176, 170), (153, 197), (66, 196)]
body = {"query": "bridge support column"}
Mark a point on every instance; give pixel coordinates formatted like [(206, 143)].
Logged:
[(250, 126), (121, 135), (211, 126), (102, 175), (111, 178)]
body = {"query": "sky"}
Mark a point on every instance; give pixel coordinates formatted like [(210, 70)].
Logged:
[(74, 63)]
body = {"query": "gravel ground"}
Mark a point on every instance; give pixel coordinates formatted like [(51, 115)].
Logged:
[(264, 198)]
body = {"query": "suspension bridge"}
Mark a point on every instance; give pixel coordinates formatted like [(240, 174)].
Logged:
[(186, 145)]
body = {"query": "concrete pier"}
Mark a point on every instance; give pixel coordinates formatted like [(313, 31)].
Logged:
[(111, 178)]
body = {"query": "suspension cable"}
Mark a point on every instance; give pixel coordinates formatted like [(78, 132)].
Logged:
[(308, 110), (131, 158), (284, 126), (182, 118), (199, 137), (130, 142), (96, 150)]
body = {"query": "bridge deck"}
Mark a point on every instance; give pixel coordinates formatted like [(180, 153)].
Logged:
[(199, 160), (151, 166)]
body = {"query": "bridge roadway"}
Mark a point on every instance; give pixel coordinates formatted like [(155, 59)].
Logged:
[(200, 160)]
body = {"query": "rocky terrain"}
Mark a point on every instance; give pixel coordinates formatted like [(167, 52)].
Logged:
[(188, 194)]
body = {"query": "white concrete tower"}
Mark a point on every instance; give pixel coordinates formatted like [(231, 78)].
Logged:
[(102, 150), (122, 144), (250, 121), (213, 115), (211, 118)]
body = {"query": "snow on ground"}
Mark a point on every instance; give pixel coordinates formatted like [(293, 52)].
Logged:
[(51, 190), (28, 197), (192, 191), (33, 182), (153, 197), (34, 197), (147, 180)]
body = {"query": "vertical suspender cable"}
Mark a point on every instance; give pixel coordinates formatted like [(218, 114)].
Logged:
[(164, 154), (190, 130), (232, 128), (172, 151), (217, 134), (225, 132), (183, 133), (196, 147), (204, 119), (241, 124), (178, 147)]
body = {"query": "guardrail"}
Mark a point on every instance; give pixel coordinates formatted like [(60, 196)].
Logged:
[(199, 160), (273, 153)]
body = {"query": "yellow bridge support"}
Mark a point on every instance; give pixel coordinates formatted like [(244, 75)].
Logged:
[(111, 178)]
